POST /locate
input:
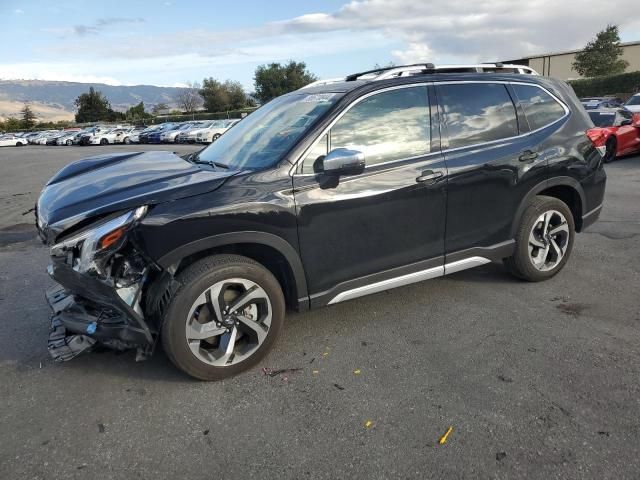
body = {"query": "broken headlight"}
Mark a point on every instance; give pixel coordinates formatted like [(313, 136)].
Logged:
[(84, 250)]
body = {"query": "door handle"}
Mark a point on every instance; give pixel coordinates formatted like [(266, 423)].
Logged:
[(528, 156), (429, 177)]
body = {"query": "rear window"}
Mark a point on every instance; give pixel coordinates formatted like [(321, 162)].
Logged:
[(602, 119), (477, 113), (540, 108)]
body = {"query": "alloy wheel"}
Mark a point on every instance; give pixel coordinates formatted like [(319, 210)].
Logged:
[(548, 240), (228, 322)]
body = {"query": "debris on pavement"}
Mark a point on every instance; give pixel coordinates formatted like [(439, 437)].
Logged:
[(368, 424), (500, 456), (315, 372), (357, 371), (101, 428), (505, 379), (273, 373), (338, 386), (443, 439)]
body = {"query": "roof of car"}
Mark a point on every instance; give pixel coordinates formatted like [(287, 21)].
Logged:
[(347, 86)]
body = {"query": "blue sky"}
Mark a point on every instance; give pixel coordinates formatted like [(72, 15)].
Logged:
[(171, 42)]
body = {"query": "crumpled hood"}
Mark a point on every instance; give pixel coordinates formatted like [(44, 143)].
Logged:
[(108, 183)]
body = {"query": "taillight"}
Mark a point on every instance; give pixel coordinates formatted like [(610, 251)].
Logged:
[(599, 139)]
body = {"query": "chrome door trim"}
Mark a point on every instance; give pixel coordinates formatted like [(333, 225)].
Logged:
[(410, 278)]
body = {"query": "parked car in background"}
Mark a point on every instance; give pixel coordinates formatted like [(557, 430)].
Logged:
[(617, 132), (633, 104), (131, 135), (215, 130), (110, 137), (70, 138), (320, 196), (152, 133), (44, 137), (88, 135), (171, 135), (52, 139), (12, 141), (595, 103), (189, 135)]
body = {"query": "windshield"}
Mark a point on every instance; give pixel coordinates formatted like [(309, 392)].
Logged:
[(635, 100), (602, 119), (263, 137)]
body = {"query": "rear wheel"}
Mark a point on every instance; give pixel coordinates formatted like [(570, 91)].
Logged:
[(215, 137), (104, 141), (544, 240), (223, 318), (126, 141), (69, 143), (610, 153)]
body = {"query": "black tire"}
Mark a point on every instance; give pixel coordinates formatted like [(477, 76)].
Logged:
[(215, 137), (69, 143), (18, 144), (521, 264), (126, 141), (104, 141), (194, 280), (610, 153)]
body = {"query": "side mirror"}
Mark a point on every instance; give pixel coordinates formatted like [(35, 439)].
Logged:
[(342, 161), (625, 123)]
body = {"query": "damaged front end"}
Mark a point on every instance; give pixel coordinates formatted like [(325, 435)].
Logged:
[(100, 275)]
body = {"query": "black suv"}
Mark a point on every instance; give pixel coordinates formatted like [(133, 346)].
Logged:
[(328, 193)]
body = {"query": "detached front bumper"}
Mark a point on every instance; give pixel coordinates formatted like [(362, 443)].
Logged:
[(87, 311)]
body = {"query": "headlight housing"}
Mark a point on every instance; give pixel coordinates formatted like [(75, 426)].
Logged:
[(84, 249)]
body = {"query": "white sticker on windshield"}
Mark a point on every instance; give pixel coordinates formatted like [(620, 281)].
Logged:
[(318, 98)]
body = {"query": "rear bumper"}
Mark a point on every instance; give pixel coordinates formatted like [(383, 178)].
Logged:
[(591, 217)]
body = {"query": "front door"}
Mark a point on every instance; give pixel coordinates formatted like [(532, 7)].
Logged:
[(383, 227)]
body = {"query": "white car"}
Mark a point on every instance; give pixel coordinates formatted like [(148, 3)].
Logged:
[(171, 136), (633, 104), (44, 137), (12, 141), (190, 134), (213, 132), (69, 138), (130, 135), (113, 136)]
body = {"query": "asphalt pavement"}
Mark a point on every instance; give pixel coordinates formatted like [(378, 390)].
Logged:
[(535, 380)]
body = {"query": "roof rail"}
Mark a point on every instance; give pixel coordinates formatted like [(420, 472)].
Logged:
[(387, 71), (426, 68)]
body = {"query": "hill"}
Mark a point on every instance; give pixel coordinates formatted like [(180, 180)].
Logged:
[(53, 100)]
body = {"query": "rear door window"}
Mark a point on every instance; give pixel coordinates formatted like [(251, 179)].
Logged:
[(540, 108), (477, 113)]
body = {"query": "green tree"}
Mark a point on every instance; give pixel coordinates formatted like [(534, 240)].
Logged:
[(159, 107), (601, 56), (216, 97), (273, 80), (136, 112), (12, 124), (220, 97), (92, 107), (28, 117)]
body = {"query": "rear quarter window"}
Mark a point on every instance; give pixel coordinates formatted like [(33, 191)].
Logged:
[(477, 113), (540, 108)]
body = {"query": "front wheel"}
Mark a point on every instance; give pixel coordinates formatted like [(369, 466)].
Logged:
[(544, 240), (126, 141), (223, 318), (104, 141)]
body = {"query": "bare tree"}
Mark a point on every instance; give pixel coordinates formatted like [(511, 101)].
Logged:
[(189, 98)]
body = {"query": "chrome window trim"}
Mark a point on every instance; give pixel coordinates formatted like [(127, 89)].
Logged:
[(567, 112), (292, 171)]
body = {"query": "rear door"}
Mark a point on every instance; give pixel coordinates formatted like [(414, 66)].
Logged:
[(387, 222), (494, 158)]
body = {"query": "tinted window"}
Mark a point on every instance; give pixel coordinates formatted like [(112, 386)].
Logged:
[(387, 126), (477, 113), (540, 108), (635, 100), (602, 119)]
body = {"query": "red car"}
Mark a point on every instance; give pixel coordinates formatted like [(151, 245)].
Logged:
[(617, 132)]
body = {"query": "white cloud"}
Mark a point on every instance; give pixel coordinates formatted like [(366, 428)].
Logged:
[(18, 11), (53, 71), (415, 53)]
